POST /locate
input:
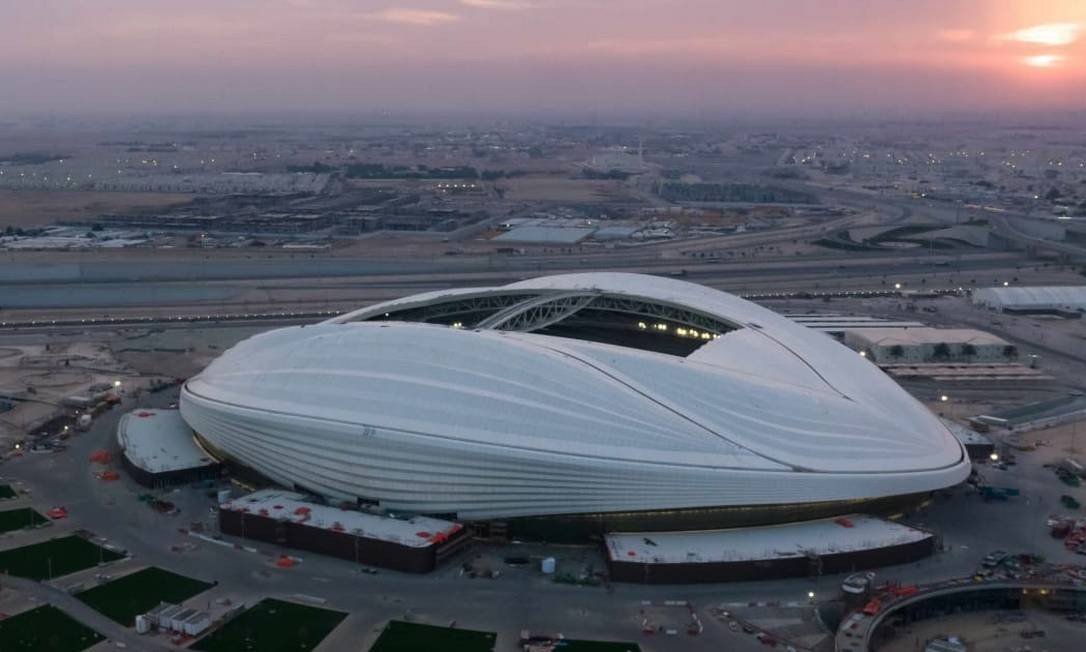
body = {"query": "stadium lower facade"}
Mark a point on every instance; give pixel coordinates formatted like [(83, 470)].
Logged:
[(595, 402)]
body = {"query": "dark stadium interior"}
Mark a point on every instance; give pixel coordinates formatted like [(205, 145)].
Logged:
[(605, 319)]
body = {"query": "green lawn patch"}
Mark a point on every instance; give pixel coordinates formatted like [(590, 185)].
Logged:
[(127, 597), (45, 629), (53, 558), (6, 492), (569, 645), (272, 626), (17, 519), (399, 636)]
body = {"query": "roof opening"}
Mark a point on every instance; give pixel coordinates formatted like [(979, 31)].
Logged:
[(657, 335), (620, 320)]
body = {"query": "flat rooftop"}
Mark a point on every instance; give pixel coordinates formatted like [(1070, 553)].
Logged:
[(158, 441), (555, 234), (827, 536), (966, 435), (836, 322), (415, 532), (1065, 406), (926, 335)]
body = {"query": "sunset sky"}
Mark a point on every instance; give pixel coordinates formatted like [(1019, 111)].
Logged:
[(656, 57)]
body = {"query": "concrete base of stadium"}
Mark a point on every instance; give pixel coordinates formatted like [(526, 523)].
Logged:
[(581, 528)]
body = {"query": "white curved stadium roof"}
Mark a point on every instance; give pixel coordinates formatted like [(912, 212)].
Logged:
[(502, 419)]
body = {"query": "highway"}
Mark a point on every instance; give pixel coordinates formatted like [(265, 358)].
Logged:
[(753, 276), (1007, 227)]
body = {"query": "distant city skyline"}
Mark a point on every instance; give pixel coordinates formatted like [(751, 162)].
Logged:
[(689, 58)]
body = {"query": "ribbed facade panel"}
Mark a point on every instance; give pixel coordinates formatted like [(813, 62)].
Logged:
[(485, 424)]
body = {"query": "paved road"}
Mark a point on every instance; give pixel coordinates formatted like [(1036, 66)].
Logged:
[(518, 599), (1007, 226), (201, 296), (84, 614)]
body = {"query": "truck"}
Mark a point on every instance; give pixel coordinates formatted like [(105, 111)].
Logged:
[(1073, 466), (990, 493)]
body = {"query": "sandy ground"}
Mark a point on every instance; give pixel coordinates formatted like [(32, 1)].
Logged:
[(24, 208), (136, 357), (559, 189), (178, 353), (43, 373)]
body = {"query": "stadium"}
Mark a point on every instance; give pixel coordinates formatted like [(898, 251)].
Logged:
[(601, 400)]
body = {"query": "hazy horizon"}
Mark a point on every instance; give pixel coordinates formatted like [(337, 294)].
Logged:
[(648, 59)]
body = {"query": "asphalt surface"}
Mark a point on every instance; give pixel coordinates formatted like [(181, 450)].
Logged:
[(518, 599)]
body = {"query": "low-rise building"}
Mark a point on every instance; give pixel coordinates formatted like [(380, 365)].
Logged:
[(925, 344)]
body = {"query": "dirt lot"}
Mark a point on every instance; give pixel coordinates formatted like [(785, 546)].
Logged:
[(41, 208), (562, 190), (40, 376)]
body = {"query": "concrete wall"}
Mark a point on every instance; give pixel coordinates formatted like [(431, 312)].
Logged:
[(170, 478)]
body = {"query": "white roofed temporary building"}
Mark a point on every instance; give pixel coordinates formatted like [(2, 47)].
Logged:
[(1071, 297)]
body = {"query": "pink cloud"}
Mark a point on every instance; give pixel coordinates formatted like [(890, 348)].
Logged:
[(423, 17)]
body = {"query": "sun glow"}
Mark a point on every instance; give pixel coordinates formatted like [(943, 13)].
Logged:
[(1042, 60), (1048, 34)]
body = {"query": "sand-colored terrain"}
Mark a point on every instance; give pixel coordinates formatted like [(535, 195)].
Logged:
[(40, 376), (559, 189), (30, 208)]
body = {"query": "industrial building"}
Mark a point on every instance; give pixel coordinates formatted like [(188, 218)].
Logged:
[(1033, 299), (811, 548), (925, 344), (979, 446), (620, 400), (413, 545)]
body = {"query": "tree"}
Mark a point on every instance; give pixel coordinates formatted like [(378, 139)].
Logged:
[(1010, 351), (968, 350), (896, 351), (941, 351)]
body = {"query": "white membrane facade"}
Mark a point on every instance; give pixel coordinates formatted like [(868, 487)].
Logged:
[(572, 394)]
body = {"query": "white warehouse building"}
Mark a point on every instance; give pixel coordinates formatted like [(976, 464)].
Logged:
[(601, 396), (925, 344), (1071, 297)]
